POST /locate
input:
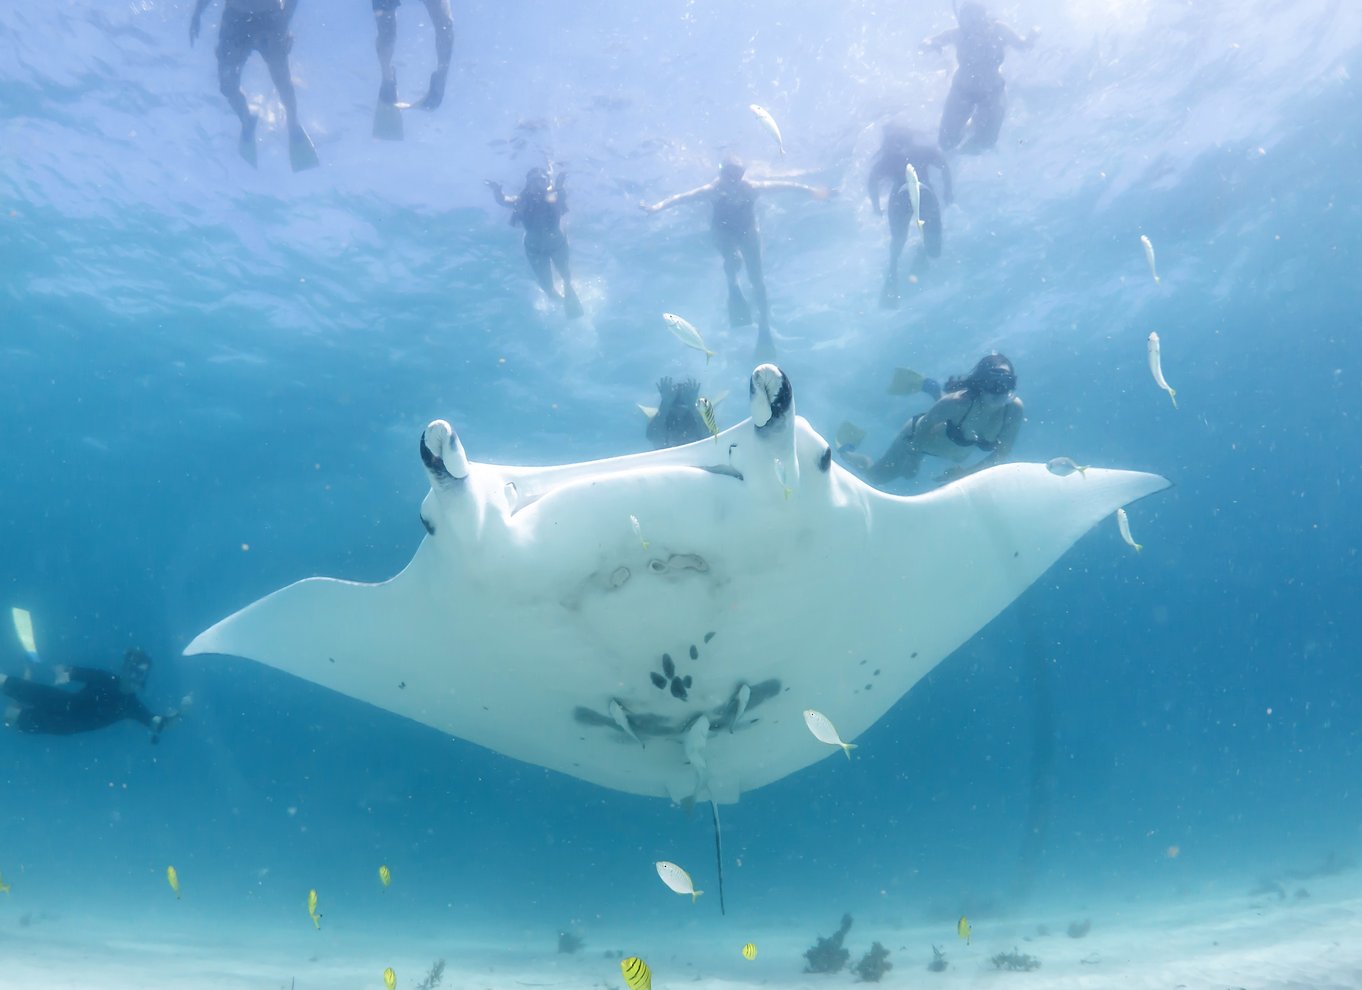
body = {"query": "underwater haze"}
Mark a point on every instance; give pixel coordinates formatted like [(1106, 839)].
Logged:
[(217, 377)]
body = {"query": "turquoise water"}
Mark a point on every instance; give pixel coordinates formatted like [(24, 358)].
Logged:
[(216, 378)]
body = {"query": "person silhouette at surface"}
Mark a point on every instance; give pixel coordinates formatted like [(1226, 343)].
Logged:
[(258, 26), (978, 411), (899, 150), (539, 208), (103, 699), (733, 226), (977, 94), (385, 19)]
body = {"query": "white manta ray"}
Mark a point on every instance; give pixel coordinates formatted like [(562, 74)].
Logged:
[(676, 657)]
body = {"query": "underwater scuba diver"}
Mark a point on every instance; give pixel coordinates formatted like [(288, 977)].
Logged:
[(539, 208), (103, 699), (388, 119), (899, 150), (260, 26), (978, 411), (977, 94), (733, 226), (677, 419)]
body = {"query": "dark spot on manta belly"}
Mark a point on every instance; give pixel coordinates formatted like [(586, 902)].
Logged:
[(678, 690), (708, 636), (402, 684), (658, 680), (668, 667), (685, 681), (694, 653), (914, 656), (332, 659)]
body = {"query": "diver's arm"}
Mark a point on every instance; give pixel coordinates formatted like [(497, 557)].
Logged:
[(685, 197), (939, 160), (86, 675), (1011, 37), (443, 20), (196, 20), (939, 41), (817, 192), (501, 198), (1007, 436)]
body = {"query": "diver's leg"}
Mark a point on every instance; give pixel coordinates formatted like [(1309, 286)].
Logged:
[(572, 306), (385, 20), (539, 264), (954, 116), (232, 53), (900, 460), (900, 215), (275, 52), (988, 121), (443, 21), (739, 315), (751, 256)]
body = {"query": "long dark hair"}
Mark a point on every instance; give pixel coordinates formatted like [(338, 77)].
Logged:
[(991, 368)]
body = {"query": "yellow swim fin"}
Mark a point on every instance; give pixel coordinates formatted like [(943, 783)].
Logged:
[(906, 381), (849, 436)]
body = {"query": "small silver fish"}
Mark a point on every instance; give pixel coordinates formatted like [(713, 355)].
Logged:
[(914, 193), (1156, 369), (822, 728), (1123, 524), (677, 879), (1065, 466), (687, 334), (621, 717), (1149, 256), (769, 122), (638, 531)]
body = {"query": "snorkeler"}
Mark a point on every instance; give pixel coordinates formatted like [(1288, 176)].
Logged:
[(103, 699), (976, 412), (897, 152), (677, 419), (976, 96), (258, 26), (539, 209), (387, 118), (733, 225)]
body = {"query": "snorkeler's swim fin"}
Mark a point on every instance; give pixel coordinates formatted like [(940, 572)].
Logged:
[(387, 122), (301, 154), (849, 437), (765, 351), (245, 144), (739, 313), (572, 306), (23, 628), (889, 295)]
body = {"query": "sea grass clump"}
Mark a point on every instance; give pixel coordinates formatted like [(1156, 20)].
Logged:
[(827, 954), (938, 963), (873, 965), (433, 978), (569, 942), (1015, 962)]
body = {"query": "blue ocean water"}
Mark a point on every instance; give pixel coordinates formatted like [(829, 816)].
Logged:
[(216, 378)]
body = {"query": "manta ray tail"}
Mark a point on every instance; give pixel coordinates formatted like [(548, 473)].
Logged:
[(718, 852)]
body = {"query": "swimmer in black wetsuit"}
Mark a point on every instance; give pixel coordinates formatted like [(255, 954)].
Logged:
[(977, 91), (103, 699), (258, 26), (539, 209), (733, 225), (677, 420), (898, 151), (977, 412), (385, 19)]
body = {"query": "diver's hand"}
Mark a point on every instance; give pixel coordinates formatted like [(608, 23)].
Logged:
[(61, 675), (494, 186), (194, 25), (648, 207)]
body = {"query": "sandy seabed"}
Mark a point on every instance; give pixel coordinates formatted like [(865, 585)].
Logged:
[(1255, 943)]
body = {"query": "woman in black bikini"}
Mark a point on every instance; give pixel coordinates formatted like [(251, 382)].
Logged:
[(977, 412)]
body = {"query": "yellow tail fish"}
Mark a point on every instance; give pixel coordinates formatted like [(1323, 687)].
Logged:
[(963, 929), (389, 978), (636, 973), (312, 909), (173, 879), (385, 876)]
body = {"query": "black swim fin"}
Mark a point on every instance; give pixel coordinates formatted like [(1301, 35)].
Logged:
[(572, 306), (301, 154), (739, 313), (245, 144), (387, 122)]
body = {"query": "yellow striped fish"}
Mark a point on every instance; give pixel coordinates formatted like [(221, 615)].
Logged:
[(707, 414), (385, 875), (4, 887), (749, 951), (173, 879), (636, 973), (312, 909), (389, 978), (963, 929)]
